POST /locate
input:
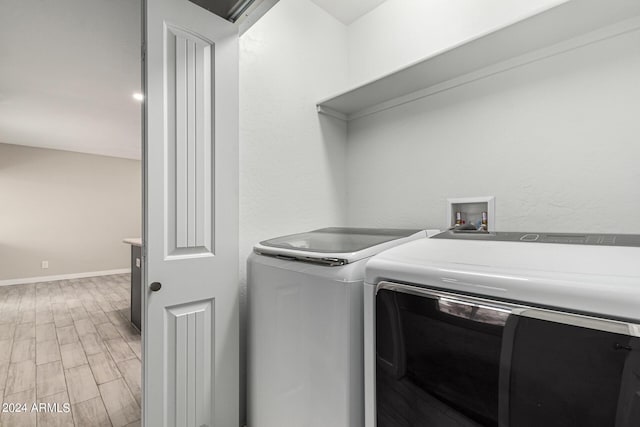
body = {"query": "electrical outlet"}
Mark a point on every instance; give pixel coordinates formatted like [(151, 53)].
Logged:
[(45, 264)]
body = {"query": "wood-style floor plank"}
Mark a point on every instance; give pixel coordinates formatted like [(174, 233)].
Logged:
[(121, 406), (4, 369), (28, 316), (107, 331), (98, 317), (103, 367), (62, 320), (50, 380), (80, 384), (20, 377), (85, 326), (25, 331), (23, 350), (133, 377), (92, 344), (44, 316), (20, 419), (45, 332), (67, 335), (91, 413), (70, 342), (6, 346), (47, 351), (119, 350), (73, 355), (7, 330), (59, 415)]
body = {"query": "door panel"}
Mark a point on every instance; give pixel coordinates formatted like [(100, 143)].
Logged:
[(189, 331), (191, 217), (189, 102)]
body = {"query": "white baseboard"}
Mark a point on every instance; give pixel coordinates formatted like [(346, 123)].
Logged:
[(63, 277)]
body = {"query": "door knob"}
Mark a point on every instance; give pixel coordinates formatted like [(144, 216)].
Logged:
[(155, 286)]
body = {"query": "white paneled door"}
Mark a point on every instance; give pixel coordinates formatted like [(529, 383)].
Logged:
[(191, 217)]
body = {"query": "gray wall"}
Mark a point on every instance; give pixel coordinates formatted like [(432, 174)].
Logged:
[(555, 141), (68, 208)]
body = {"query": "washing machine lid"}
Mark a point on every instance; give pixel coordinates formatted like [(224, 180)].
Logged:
[(336, 245), (596, 279)]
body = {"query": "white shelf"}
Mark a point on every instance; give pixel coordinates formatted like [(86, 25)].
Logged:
[(561, 28)]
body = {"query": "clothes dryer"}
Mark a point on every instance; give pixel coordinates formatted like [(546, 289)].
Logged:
[(504, 329)]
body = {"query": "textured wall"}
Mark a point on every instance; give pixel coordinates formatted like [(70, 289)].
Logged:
[(400, 32), (70, 209), (292, 161), (555, 141)]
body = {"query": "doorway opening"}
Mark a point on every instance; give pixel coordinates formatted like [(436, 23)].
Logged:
[(70, 179)]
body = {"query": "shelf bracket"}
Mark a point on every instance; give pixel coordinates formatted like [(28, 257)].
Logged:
[(333, 113)]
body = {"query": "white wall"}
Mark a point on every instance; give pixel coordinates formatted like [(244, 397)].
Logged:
[(544, 139), (555, 141), (292, 160), (400, 32), (70, 209)]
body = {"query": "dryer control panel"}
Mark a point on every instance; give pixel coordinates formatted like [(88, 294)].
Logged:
[(537, 237)]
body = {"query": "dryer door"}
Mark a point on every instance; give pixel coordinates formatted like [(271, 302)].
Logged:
[(445, 360), (565, 370), (438, 359)]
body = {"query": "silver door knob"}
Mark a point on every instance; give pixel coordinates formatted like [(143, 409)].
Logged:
[(155, 286)]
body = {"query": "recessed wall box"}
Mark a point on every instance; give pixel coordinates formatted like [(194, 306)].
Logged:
[(469, 211)]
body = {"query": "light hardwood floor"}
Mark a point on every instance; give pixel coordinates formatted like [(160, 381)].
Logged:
[(69, 342)]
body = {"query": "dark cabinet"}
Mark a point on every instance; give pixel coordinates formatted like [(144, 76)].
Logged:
[(136, 286)]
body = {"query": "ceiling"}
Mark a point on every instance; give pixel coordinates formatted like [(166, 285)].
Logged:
[(348, 11), (68, 71)]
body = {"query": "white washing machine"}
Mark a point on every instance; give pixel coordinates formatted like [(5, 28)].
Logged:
[(305, 326), (504, 329)]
